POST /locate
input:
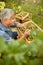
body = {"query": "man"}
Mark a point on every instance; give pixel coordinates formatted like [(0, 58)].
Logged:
[(7, 20)]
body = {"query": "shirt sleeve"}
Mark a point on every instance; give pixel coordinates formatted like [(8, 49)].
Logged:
[(15, 24), (5, 35)]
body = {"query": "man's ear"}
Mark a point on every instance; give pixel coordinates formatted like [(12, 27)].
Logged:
[(5, 19)]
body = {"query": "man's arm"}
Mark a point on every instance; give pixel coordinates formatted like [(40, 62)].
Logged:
[(26, 33), (17, 24)]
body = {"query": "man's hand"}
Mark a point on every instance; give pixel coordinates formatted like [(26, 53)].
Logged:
[(24, 25), (27, 32)]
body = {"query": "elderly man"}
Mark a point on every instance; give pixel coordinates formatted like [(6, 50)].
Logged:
[(7, 20)]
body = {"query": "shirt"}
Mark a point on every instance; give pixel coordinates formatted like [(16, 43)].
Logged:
[(5, 32)]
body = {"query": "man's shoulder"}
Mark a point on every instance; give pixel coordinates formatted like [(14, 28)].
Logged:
[(2, 27)]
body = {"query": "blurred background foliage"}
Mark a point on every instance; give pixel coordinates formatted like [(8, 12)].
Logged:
[(33, 6)]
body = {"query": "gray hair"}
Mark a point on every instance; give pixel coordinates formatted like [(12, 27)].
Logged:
[(6, 13)]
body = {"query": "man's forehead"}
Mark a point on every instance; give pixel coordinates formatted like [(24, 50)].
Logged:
[(7, 13)]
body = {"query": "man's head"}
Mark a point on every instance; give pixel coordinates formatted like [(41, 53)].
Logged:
[(6, 16), (6, 13)]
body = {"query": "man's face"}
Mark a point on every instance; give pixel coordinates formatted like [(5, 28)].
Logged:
[(8, 22)]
